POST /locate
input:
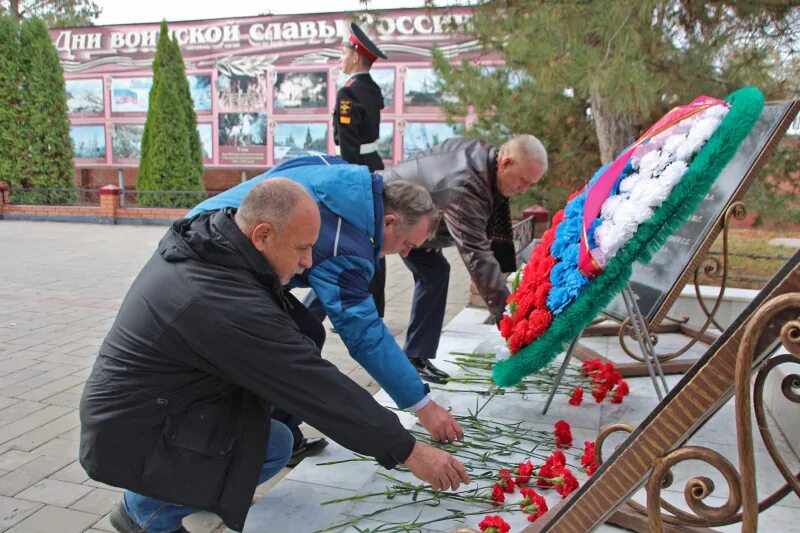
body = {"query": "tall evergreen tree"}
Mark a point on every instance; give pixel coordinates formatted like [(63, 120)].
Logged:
[(14, 168), (45, 106), (171, 153), (195, 182), (588, 77)]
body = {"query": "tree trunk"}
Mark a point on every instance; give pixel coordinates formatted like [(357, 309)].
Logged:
[(615, 131), (14, 10)]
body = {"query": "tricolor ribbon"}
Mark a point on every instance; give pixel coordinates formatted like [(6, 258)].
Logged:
[(601, 189)]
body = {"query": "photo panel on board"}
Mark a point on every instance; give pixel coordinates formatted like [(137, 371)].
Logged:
[(200, 88), (130, 96), (206, 133), (126, 143), (300, 92), (89, 143), (241, 89), (421, 88), (386, 141), (294, 139), (85, 97), (243, 138), (421, 136)]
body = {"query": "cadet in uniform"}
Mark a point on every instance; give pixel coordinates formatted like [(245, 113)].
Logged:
[(357, 116)]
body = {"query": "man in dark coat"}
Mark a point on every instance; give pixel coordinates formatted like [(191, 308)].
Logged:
[(357, 121), (470, 182), (206, 343)]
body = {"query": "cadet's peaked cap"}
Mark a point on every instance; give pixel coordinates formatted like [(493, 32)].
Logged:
[(362, 44)]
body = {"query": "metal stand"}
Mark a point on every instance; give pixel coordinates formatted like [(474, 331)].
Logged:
[(642, 335)]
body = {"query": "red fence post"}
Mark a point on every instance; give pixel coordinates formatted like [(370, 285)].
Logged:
[(3, 197), (109, 201)]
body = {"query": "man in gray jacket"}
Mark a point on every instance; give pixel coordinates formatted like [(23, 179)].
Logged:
[(470, 182)]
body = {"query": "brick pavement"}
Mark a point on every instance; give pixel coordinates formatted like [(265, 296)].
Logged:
[(60, 288)]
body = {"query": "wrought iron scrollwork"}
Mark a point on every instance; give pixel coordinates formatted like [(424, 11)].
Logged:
[(711, 267), (741, 485)]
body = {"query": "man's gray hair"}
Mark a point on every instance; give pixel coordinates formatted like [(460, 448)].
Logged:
[(526, 147), (273, 200), (409, 202)]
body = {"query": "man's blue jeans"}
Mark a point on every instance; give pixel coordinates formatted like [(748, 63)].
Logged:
[(156, 516)]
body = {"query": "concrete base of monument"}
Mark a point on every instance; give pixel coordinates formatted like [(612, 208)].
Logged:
[(734, 301), (294, 502)]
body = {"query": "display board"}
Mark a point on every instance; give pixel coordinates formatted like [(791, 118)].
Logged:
[(256, 82)]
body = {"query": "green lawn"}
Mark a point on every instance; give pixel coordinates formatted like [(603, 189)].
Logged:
[(752, 260)]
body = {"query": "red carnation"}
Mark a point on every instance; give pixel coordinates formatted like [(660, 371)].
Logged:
[(524, 305), (547, 238), (497, 494), (565, 482), (524, 472), (577, 396), (563, 435), (599, 392), (505, 326), (557, 458), (610, 375), (533, 504), (538, 322), (545, 474), (544, 267), (494, 524), (620, 392), (505, 481), (558, 218), (590, 368), (588, 461), (540, 294), (514, 343)]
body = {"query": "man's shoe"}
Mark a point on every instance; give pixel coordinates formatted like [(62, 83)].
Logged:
[(307, 448), (428, 372), (441, 373), (122, 521)]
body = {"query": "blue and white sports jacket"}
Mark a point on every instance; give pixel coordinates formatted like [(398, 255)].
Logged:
[(345, 257)]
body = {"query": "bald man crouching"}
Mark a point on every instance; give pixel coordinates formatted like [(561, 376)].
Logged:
[(206, 343)]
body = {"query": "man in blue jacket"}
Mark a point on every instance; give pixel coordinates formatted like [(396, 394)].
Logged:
[(361, 222)]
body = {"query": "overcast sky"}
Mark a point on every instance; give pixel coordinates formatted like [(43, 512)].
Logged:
[(130, 11)]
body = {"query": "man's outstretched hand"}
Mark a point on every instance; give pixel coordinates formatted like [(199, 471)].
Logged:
[(440, 423), (437, 467)]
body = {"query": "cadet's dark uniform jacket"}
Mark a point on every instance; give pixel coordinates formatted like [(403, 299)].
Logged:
[(357, 119)]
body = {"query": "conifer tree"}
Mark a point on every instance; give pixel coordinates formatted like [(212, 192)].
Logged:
[(171, 153), (44, 98), (589, 77), (14, 168), (185, 93)]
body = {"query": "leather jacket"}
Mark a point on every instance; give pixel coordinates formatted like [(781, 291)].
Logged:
[(461, 176)]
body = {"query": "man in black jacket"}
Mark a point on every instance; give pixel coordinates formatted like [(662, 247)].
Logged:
[(206, 342)]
